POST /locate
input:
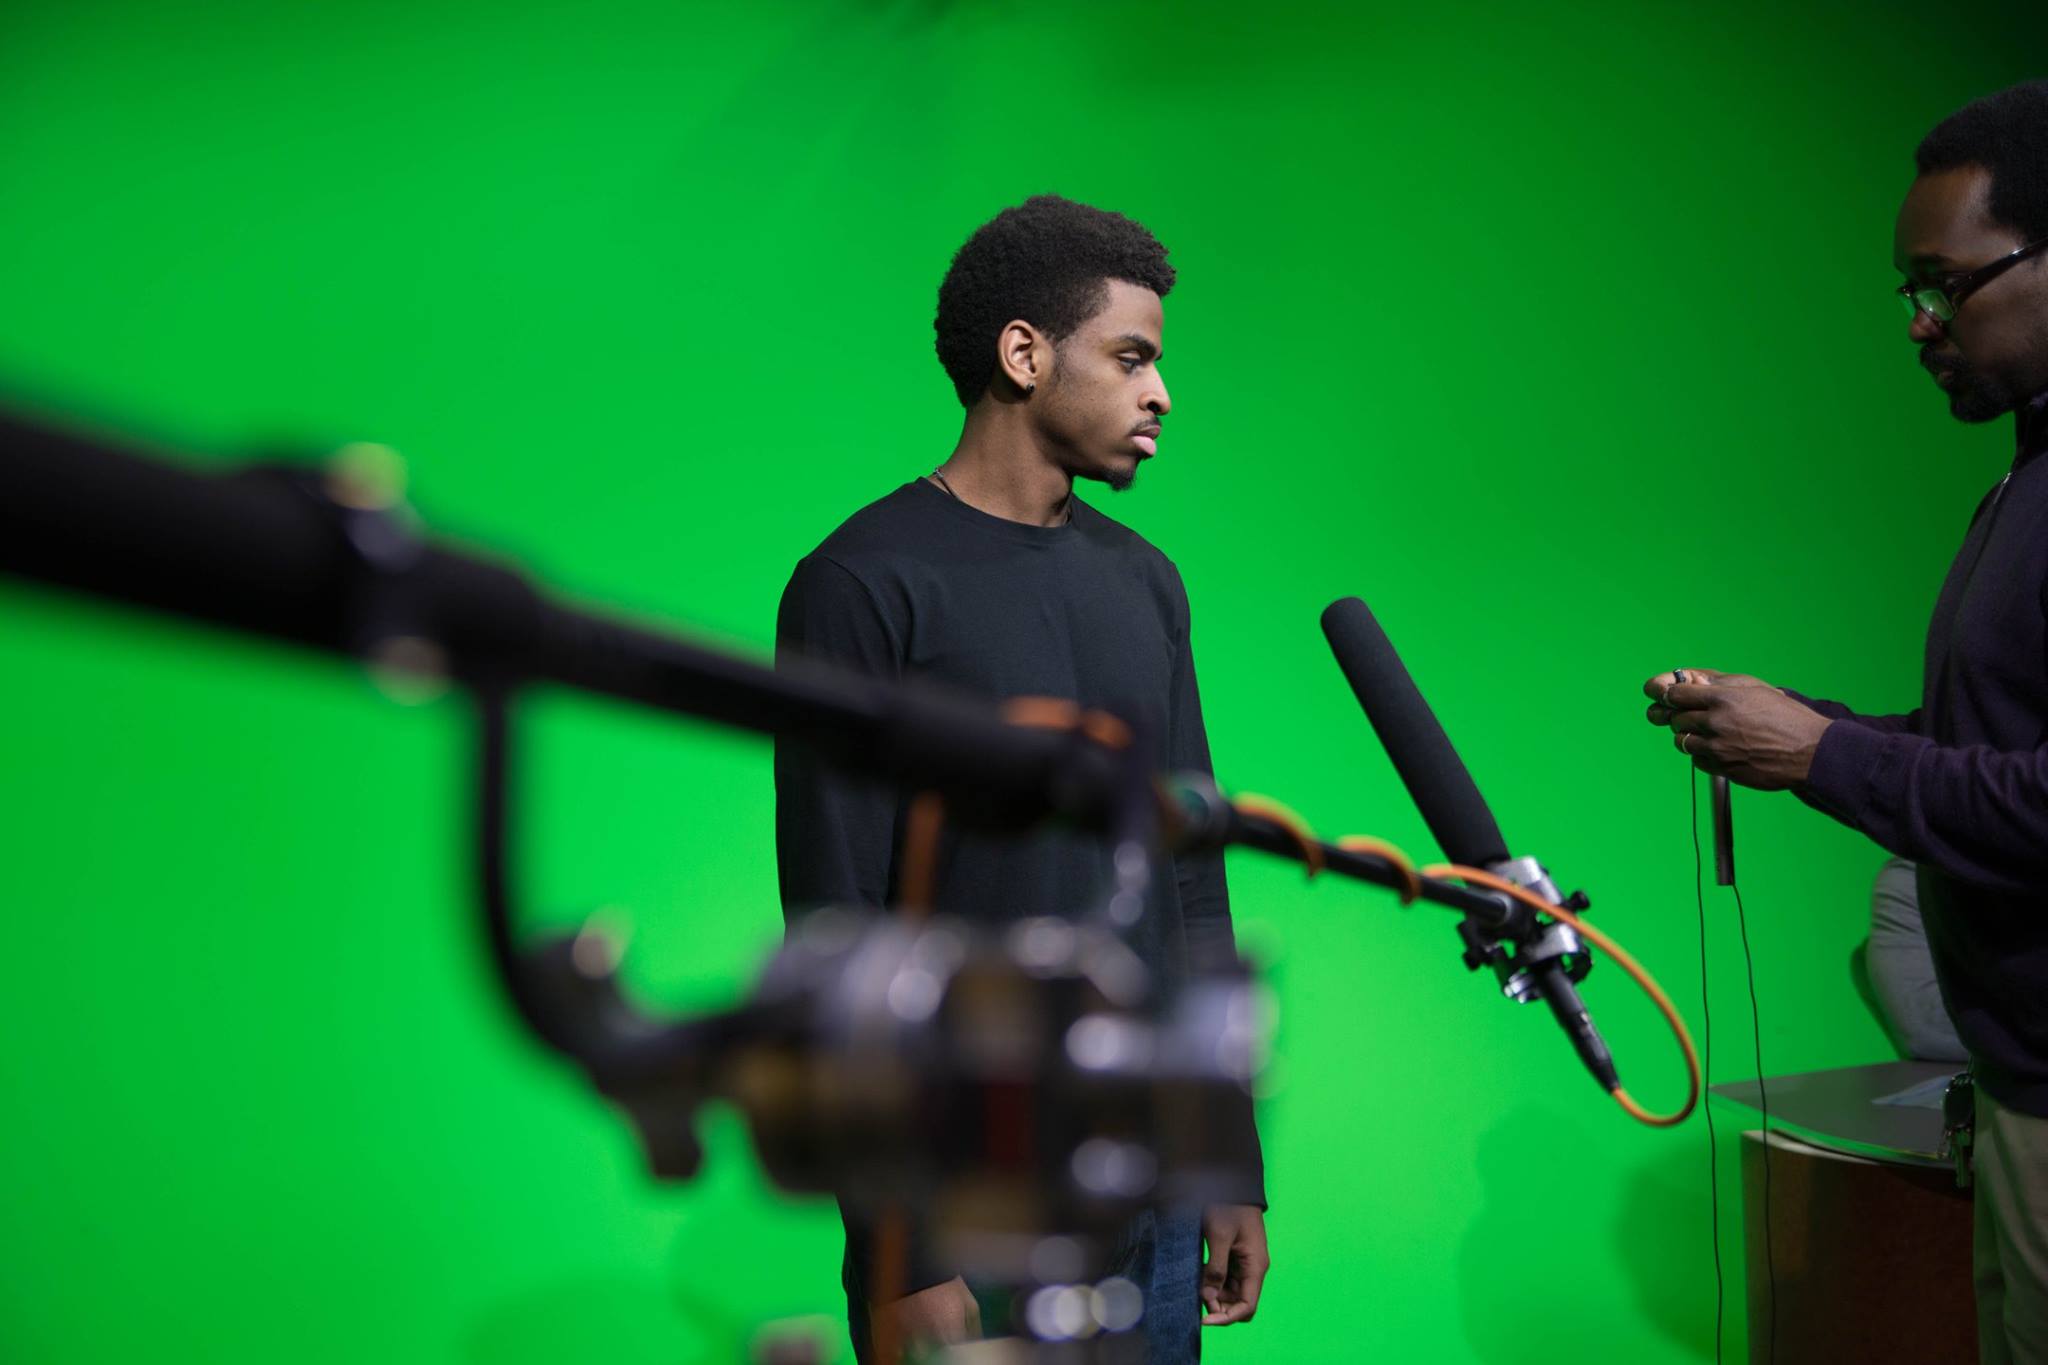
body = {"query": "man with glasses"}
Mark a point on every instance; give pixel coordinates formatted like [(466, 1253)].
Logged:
[(1960, 784)]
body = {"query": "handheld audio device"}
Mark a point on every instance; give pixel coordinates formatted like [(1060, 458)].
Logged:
[(1724, 834)]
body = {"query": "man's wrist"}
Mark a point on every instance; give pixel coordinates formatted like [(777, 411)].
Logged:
[(1812, 753), (1833, 770)]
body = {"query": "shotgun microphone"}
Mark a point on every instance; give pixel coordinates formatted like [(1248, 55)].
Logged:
[(1548, 958), (1457, 815)]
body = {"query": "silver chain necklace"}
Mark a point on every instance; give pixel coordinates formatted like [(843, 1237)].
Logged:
[(940, 479)]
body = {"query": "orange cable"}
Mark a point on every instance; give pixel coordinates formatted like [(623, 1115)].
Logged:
[(927, 815), (1105, 729), (1056, 713), (1266, 807), (1627, 963), (1312, 852), (1361, 843), (1042, 713), (891, 1258), (924, 822)]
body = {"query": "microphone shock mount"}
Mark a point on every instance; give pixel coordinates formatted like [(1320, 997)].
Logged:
[(1536, 946)]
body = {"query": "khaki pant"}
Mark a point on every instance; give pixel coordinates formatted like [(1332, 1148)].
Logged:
[(2011, 1164)]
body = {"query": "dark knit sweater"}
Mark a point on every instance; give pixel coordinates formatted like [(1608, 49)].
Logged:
[(1960, 785), (920, 585)]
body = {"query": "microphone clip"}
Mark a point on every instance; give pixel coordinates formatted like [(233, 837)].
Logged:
[(1518, 945)]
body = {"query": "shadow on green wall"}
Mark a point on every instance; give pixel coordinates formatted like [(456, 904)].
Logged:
[(1520, 1298)]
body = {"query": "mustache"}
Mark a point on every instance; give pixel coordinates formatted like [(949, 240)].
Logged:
[(1936, 364), (1148, 427)]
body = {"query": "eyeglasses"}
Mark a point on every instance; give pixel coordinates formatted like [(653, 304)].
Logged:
[(1940, 302)]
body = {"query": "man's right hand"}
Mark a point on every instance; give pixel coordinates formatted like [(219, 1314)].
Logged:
[(1660, 714), (943, 1315), (1738, 727)]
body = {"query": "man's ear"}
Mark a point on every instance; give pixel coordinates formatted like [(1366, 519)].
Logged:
[(1023, 356)]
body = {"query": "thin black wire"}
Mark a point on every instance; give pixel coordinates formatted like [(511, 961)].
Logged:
[(1699, 894), (1763, 1103)]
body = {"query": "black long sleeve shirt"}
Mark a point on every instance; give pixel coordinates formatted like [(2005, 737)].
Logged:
[(920, 585), (1960, 784)]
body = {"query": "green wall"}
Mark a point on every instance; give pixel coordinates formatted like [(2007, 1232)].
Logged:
[(1560, 335)]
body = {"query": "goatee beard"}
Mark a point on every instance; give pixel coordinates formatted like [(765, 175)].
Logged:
[(1971, 396), (1974, 399)]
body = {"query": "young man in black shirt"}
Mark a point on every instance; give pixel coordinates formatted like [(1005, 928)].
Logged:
[(989, 574), (1960, 783)]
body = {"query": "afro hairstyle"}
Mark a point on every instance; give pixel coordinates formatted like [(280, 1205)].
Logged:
[(1047, 261)]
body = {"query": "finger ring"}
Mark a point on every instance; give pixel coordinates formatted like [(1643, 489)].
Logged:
[(1685, 742)]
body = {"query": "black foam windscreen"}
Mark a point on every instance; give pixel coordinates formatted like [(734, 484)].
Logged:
[(1430, 768)]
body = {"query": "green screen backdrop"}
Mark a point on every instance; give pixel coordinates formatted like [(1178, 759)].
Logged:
[(1558, 333)]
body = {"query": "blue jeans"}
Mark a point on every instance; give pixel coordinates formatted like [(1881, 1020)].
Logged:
[(1162, 1255), (1160, 1251)]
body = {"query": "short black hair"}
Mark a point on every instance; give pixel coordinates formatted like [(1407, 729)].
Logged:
[(1047, 261), (2007, 134)]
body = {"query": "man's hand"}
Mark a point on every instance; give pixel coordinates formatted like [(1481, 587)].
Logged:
[(1237, 1264), (1736, 726), (943, 1315)]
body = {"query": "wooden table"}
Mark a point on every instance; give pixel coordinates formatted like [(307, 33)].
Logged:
[(1869, 1238)]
